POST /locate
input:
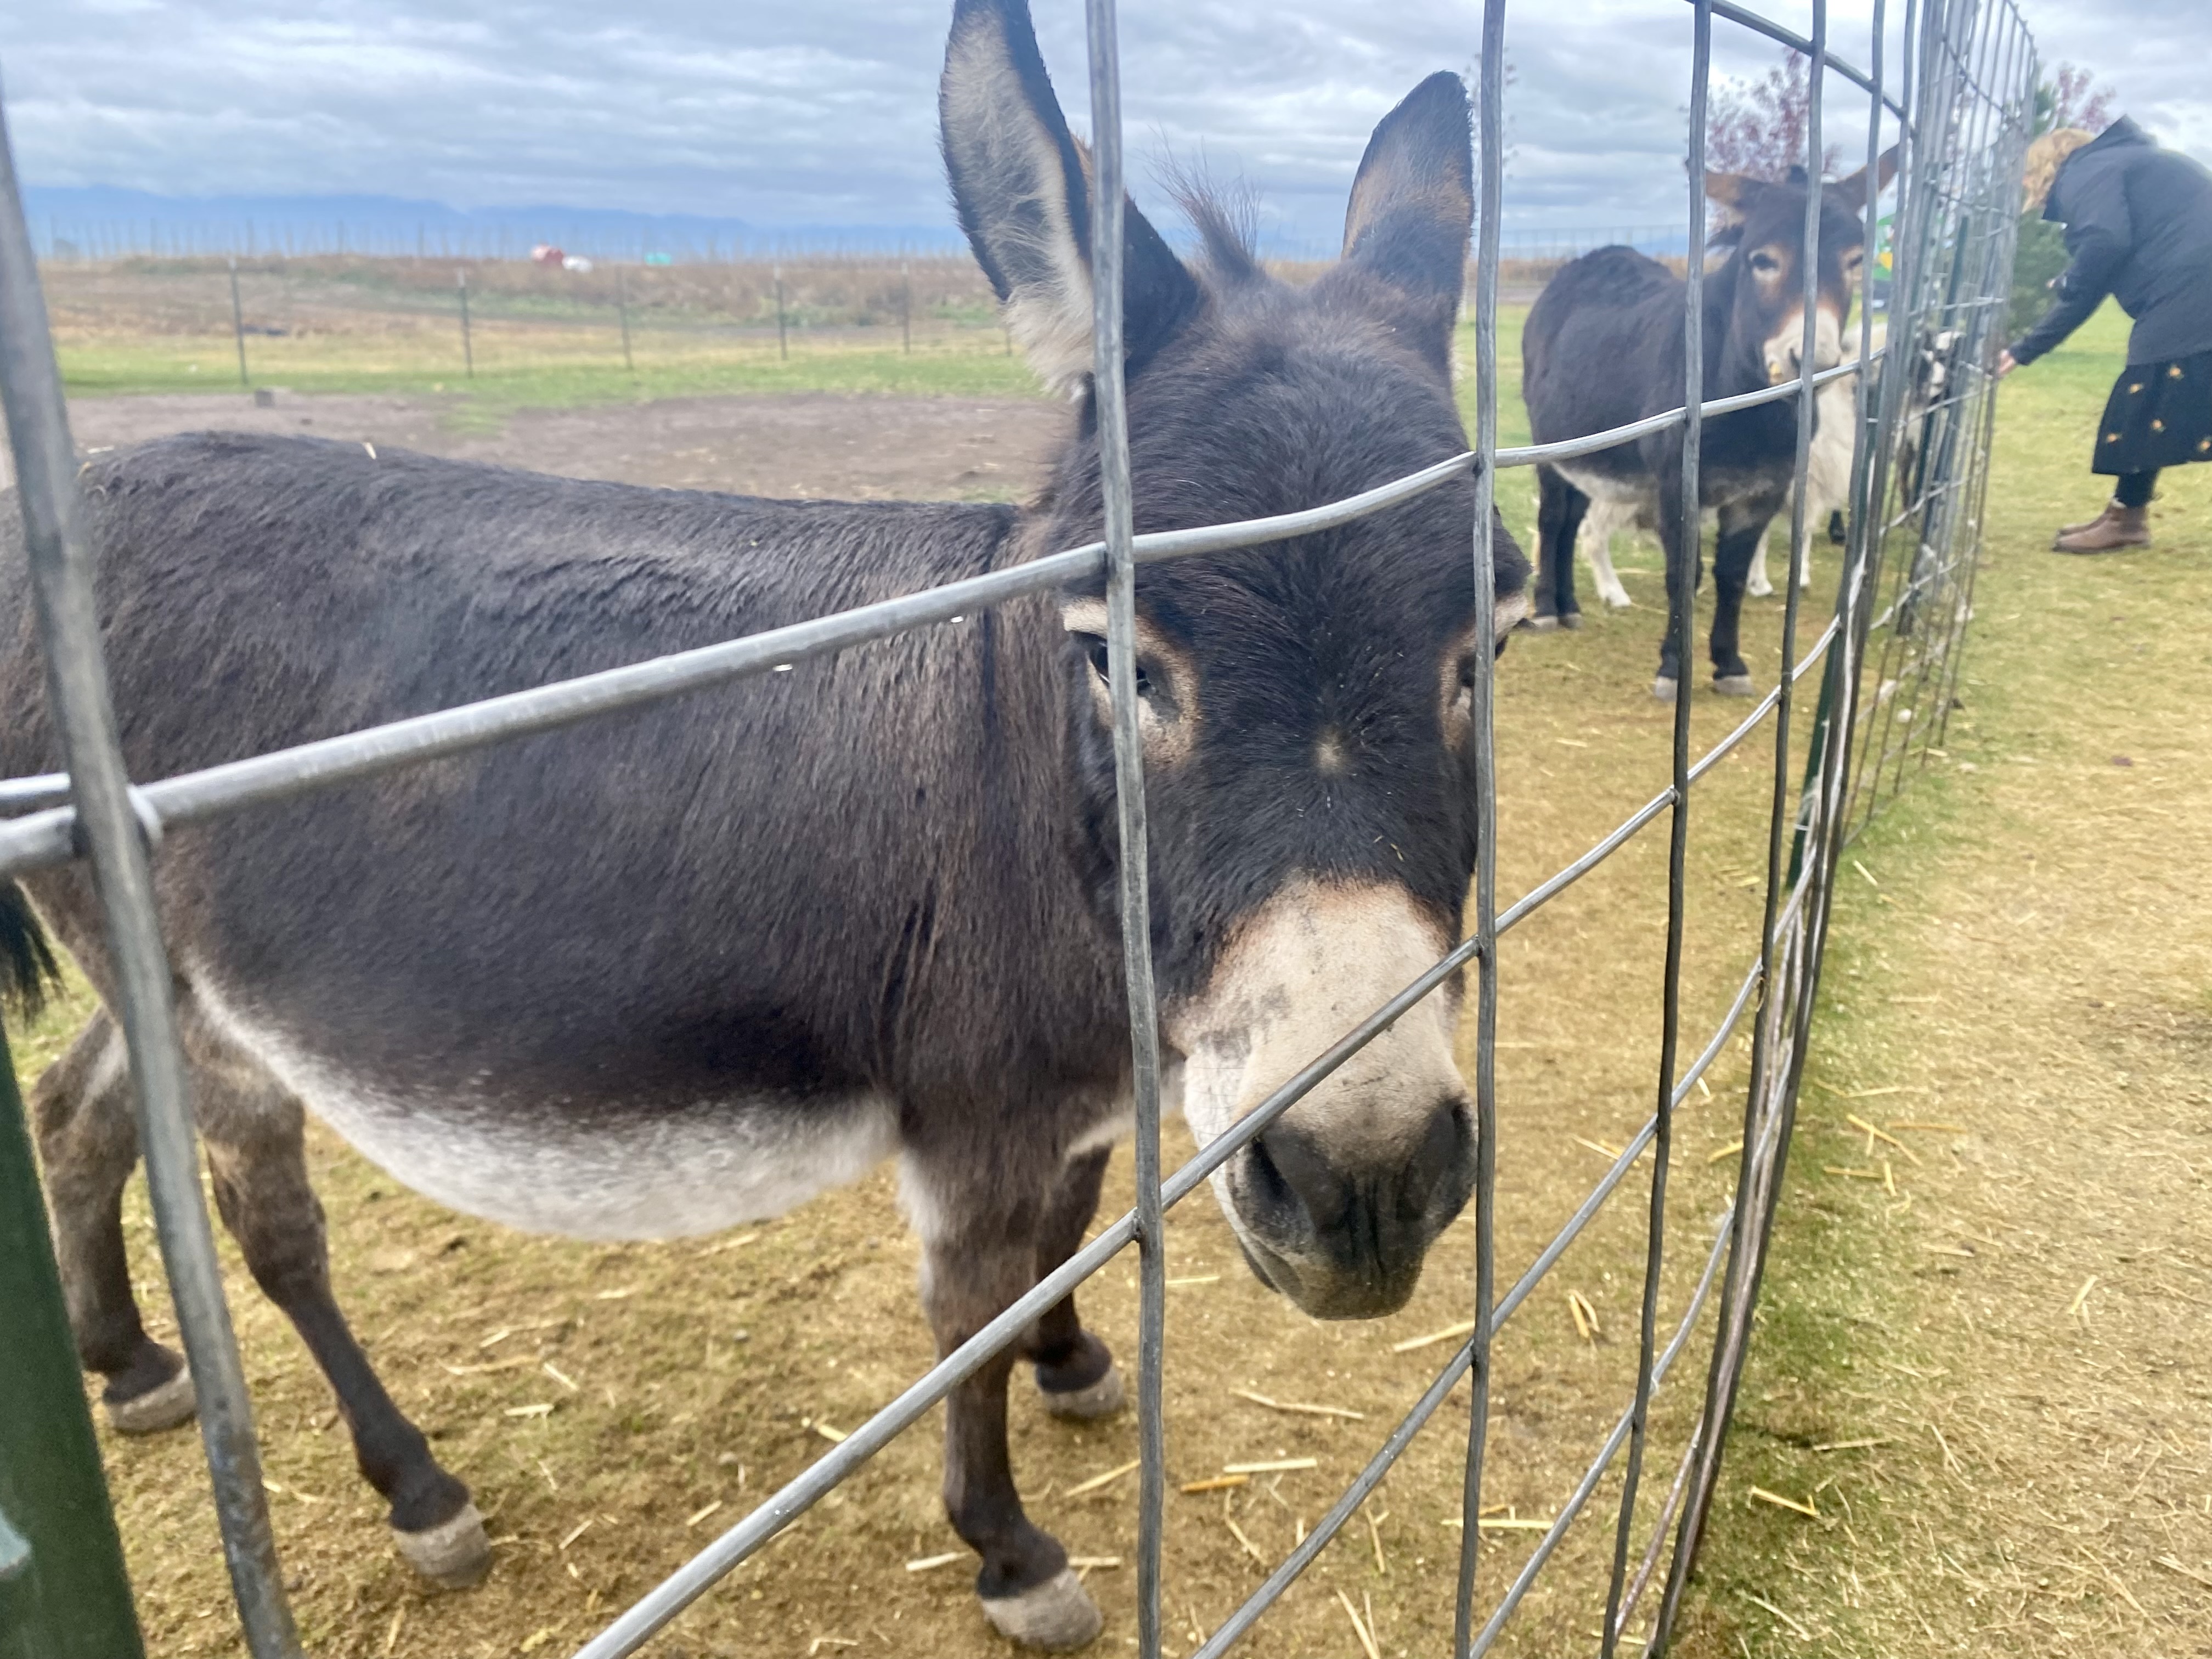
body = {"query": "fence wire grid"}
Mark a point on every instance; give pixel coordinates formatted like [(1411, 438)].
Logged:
[(1959, 116)]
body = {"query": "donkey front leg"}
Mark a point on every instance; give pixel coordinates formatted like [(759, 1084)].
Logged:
[(1560, 507), (1684, 566), (89, 1139), (981, 1230), (1742, 533), (257, 1156), (1075, 1371)]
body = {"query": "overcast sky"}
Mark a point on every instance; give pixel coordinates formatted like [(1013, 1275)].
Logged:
[(792, 114)]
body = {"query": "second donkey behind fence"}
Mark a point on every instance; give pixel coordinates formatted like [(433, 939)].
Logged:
[(1603, 347)]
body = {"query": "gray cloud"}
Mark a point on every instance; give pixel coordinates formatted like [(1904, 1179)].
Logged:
[(823, 115)]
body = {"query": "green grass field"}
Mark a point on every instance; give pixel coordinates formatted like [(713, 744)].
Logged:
[(552, 368)]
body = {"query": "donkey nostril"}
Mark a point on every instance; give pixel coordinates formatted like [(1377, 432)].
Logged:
[(1440, 1159), (1263, 1178), (1298, 1180)]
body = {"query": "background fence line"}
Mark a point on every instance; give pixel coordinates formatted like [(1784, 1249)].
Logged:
[(63, 238), (1963, 131)]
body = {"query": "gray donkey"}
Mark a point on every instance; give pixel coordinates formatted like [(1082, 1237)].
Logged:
[(683, 968)]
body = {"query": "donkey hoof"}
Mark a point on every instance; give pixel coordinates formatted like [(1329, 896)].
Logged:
[(1055, 1615), (1663, 688), (164, 1405), (454, 1553), (1571, 619), (1735, 686), (1100, 1399), (1537, 624)]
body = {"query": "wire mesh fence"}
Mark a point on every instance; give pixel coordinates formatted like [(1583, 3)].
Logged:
[(1919, 467), (65, 238), (332, 320), (346, 321), (1931, 483)]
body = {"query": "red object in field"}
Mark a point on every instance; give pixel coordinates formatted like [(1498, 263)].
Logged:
[(546, 254)]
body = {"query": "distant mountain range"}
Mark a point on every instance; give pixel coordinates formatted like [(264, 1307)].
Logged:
[(100, 221)]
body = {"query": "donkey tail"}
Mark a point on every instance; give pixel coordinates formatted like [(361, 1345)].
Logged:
[(28, 968)]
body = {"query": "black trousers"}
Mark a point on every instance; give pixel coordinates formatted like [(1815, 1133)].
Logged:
[(2134, 488)]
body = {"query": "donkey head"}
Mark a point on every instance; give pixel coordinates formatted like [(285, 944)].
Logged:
[(1764, 277), (1305, 705)]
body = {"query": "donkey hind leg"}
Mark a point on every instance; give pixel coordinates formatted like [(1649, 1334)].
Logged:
[(257, 1153), (1075, 1371), (1760, 585), (89, 1141), (981, 1243), (1594, 538)]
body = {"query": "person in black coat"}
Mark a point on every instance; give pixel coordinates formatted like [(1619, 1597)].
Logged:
[(2139, 227)]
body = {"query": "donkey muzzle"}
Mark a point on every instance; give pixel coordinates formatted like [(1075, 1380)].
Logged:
[(1346, 1240)]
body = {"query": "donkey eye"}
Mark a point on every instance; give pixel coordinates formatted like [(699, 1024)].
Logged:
[(1765, 264), (1094, 649)]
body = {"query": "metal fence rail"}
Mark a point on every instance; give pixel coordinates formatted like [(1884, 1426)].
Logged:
[(1961, 123)]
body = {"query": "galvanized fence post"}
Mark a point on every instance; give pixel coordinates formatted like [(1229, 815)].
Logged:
[(1489, 163), (1107, 248), (468, 346), (238, 323), (116, 838), (622, 315)]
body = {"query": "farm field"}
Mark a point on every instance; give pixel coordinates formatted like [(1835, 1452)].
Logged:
[(684, 1380)]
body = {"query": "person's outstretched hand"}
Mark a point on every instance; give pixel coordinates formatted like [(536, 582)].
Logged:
[(2005, 363)]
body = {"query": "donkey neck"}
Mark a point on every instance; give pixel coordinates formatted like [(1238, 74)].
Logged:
[(1734, 366)]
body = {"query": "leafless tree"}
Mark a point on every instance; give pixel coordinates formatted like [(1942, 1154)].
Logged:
[(2070, 98), (1758, 127)]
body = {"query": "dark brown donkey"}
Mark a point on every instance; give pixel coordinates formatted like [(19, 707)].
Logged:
[(680, 969), (1603, 347)]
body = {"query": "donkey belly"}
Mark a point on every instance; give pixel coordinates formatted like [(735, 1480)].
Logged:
[(595, 1169), (1602, 483)]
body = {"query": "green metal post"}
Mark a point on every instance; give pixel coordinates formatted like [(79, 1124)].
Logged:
[(62, 1591)]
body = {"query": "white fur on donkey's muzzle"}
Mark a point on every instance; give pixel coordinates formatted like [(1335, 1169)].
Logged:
[(1782, 346), (1336, 1201)]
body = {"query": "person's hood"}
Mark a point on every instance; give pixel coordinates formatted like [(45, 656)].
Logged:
[(2121, 134)]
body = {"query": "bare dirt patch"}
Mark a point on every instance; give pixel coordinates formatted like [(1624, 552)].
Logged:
[(795, 444)]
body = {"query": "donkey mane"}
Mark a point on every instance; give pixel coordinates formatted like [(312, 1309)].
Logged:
[(1225, 217)]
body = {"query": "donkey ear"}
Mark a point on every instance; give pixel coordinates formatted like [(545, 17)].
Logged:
[(1851, 190), (1021, 183), (1413, 205), (1732, 194)]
